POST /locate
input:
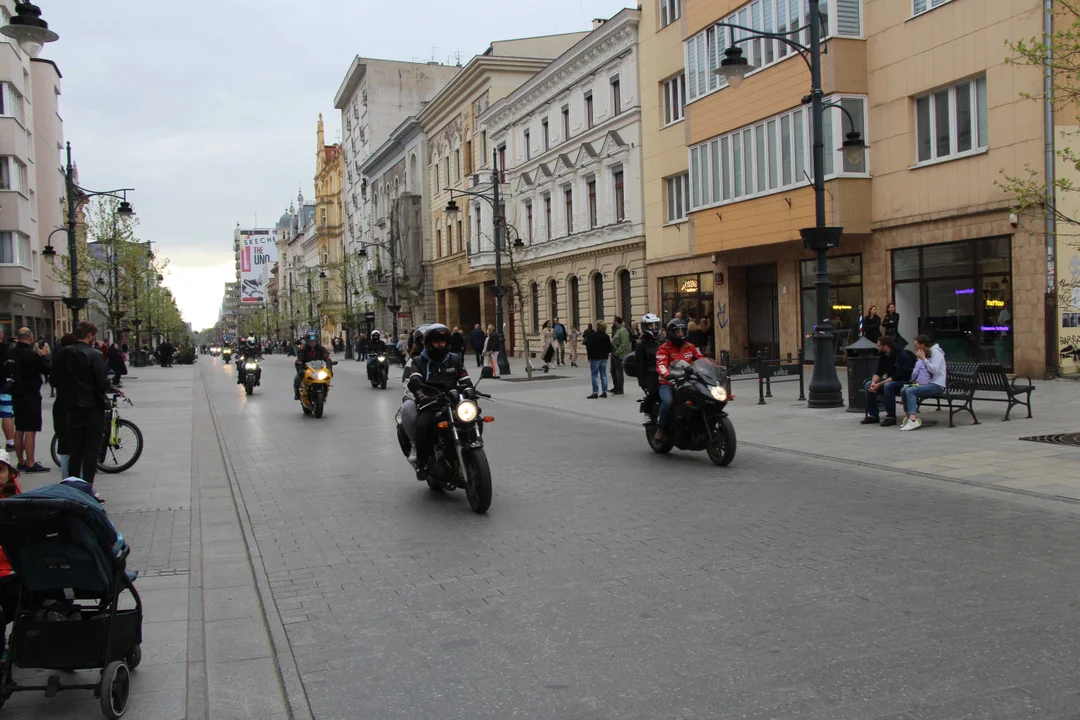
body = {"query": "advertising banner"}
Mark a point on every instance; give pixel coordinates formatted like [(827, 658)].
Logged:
[(258, 252)]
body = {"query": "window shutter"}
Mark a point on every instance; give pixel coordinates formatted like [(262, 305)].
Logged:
[(848, 16)]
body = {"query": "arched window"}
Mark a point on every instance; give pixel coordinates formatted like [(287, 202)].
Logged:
[(413, 176), (626, 307), (575, 305), (534, 303), (553, 300), (598, 296)]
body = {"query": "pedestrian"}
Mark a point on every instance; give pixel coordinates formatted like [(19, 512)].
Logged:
[(9, 584), (560, 338), (117, 366), (928, 380), (26, 365), (491, 345), (620, 348), (84, 388), (361, 347), (59, 381), (7, 413), (890, 324), (457, 341), (871, 325), (477, 341), (635, 334), (587, 333), (572, 339), (598, 348), (547, 345)]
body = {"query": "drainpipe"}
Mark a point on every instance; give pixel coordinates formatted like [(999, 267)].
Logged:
[(1051, 308)]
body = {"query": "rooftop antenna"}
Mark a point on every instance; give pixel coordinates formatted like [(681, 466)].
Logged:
[(455, 58), (433, 49)]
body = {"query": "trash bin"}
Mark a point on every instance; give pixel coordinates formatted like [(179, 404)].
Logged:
[(862, 360)]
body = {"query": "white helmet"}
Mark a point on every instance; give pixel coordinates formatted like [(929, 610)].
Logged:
[(650, 325), (251, 339)]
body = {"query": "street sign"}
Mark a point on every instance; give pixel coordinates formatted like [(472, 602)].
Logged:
[(370, 316)]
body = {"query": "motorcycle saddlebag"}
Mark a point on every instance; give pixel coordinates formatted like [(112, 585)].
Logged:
[(630, 364)]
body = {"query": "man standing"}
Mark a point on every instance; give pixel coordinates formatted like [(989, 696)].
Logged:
[(620, 348), (7, 413), (27, 365), (59, 378), (477, 339), (86, 400), (560, 338)]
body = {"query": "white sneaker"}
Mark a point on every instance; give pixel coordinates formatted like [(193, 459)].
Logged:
[(904, 422), (913, 424)]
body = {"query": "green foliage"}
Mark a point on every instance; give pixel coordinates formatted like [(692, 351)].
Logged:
[(185, 355)]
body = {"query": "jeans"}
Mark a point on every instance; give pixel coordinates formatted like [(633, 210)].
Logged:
[(598, 369), (913, 394), (65, 462), (561, 356), (409, 415), (667, 402), (479, 357), (889, 391), (617, 375), (85, 431)]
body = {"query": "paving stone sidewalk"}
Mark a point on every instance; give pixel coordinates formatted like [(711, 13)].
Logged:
[(989, 454)]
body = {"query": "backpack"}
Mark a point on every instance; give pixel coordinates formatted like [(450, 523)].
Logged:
[(11, 383)]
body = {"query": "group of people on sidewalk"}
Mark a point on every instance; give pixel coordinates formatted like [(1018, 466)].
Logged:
[(600, 347), (911, 376)]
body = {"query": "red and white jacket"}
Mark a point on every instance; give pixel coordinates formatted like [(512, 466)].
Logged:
[(669, 354)]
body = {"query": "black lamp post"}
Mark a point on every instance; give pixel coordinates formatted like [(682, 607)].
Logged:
[(393, 306), (497, 222), (825, 388)]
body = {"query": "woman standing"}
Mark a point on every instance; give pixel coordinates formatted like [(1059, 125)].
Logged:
[(871, 325), (547, 345), (890, 324), (572, 339)]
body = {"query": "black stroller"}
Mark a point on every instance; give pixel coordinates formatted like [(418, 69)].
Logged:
[(60, 544)]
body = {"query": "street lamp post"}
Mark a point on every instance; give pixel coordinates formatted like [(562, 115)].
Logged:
[(497, 222), (825, 388), (393, 306)]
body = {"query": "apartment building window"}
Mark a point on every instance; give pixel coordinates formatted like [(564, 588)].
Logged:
[(446, 162), (568, 204), (438, 185), (502, 163), (323, 219), (547, 216), (620, 195), (534, 306), (11, 102), (479, 227), (457, 164), (565, 122), (12, 174), (918, 7), (674, 99), (545, 134), (678, 199), (952, 121), (770, 156), (483, 145), (438, 241), (669, 11), (460, 237), (616, 96), (528, 150), (529, 220), (705, 50), (14, 249), (588, 110), (590, 189), (450, 239), (469, 161)]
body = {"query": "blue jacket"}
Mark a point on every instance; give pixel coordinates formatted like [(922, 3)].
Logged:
[(477, 338)]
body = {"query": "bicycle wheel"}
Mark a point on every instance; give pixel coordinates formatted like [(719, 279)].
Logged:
[(53, 449), (125, 452)]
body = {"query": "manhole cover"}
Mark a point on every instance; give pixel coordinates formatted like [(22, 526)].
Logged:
[(1070, 439), (534, 378)]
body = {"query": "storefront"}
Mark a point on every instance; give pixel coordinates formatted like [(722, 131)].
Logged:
[(845, 297), (692, 295), (961, 295)]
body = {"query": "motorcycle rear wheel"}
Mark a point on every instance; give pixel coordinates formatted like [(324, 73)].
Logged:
[(661, 447), (722, 450), (478, 481)]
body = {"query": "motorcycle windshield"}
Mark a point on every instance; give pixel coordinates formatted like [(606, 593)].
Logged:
[(707, 372), (317, 365)]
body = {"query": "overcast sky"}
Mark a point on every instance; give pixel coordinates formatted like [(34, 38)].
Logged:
[(208, 107)]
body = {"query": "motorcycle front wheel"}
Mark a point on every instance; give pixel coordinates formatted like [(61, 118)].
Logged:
[(658, 446), (317, 404), (382, 380), (478, 481), (721, 449), (249, 386)]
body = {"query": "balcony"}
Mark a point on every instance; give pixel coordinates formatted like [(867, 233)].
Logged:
[(16, 278)]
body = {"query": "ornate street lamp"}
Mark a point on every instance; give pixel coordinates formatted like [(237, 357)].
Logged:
[(28, 29)]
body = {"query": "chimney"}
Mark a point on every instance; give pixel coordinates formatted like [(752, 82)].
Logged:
[(597, 22)]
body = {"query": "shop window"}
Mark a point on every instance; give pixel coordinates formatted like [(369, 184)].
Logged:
[(845, 298)]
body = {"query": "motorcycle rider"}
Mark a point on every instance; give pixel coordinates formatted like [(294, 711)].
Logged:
[(376, 347), (435, 369), (408, 404), (645, 351), (248, 348), (310, 351), (674, 350)]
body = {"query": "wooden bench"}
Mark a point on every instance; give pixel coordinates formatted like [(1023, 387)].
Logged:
[(968, 382)]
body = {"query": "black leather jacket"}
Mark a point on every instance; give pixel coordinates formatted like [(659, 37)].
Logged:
[(446, 374), (85, 379), (311, 354)]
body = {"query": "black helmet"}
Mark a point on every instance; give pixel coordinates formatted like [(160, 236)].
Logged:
[(311, 338), (435, 333), (416, 340), (676, 331)]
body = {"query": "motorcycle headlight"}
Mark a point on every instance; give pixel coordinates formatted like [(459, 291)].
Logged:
[(382, 358), (719, 394), (251, 366), (467, 411), (321, 375)]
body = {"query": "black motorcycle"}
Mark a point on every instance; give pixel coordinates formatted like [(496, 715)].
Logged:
[(698, 419), (252, 372), (458, 459), (378, 370)]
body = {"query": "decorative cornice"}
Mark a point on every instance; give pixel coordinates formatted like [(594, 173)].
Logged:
[(399, 138), (468, 83)]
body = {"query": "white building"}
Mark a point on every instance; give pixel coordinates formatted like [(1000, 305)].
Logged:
[(570, 139), (375, 98)]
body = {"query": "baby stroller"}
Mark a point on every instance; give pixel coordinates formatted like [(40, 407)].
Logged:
[(71, 563)]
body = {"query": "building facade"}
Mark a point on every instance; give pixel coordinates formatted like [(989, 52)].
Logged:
[(926, 223), (330, 233), (459, 151), (375, 98), (31, 191), (571, 139)]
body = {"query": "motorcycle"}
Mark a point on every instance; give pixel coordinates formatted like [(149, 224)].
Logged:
[(458, 459), (315, 386), (698, 419), (226, 355), (252, 374), (378, 370)]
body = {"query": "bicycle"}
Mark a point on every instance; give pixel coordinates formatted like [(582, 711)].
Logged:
[(123, 441)]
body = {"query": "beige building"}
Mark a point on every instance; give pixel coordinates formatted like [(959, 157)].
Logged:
[(926, 224), (330, 234), (458, 154)]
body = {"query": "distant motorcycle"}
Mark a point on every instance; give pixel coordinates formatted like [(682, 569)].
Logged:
[(252, 374), (698, 419), (226, 355), (314, 387), (378, 370)]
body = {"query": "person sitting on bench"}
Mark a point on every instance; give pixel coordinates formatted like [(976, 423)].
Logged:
[(893, 372), (932, 361)]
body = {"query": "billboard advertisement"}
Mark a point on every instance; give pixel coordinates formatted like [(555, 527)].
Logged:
[(258, 252)]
